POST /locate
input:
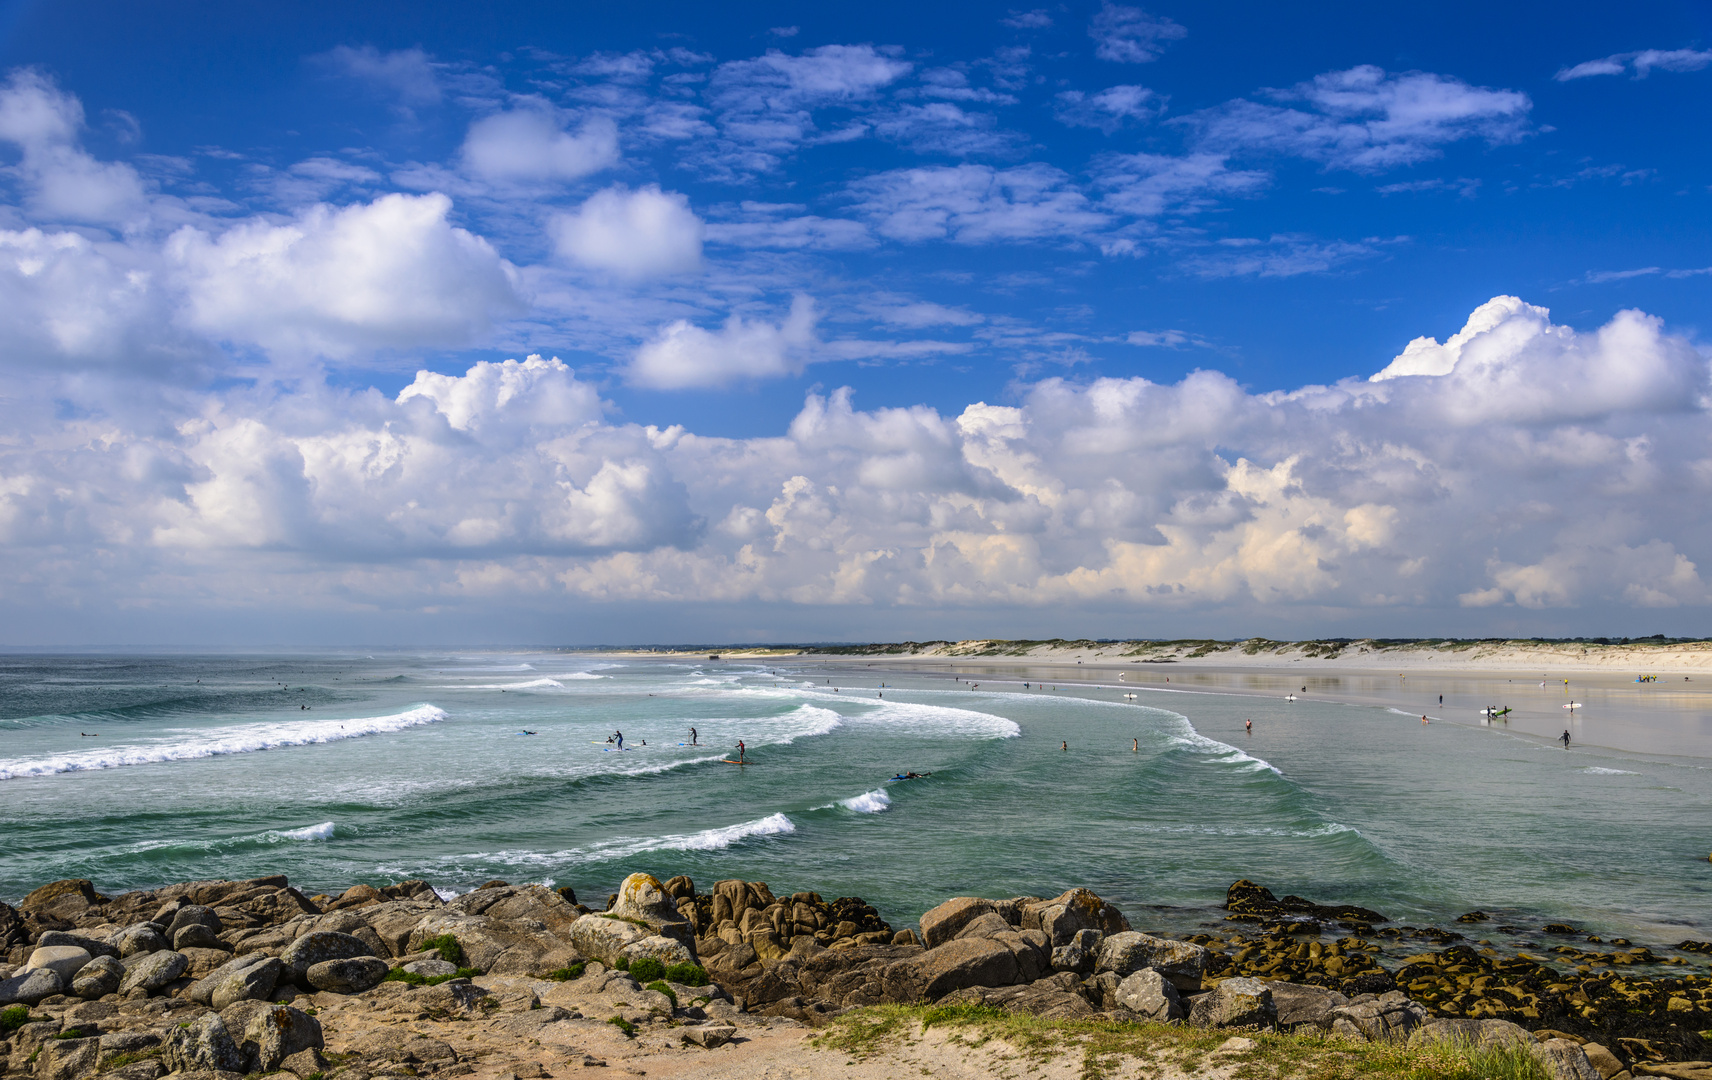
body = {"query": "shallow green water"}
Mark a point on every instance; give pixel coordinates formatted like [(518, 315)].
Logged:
[(131, 772)]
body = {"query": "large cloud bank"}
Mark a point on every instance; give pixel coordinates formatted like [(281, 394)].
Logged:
[(1518, 463)]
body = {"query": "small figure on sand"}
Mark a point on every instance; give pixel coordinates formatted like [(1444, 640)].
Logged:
[(1564, 738), (1423, 718)]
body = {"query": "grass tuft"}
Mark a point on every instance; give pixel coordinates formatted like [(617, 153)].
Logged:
[(566, 974), (660, 987), (687, 974), (410, 978), (647, 970), (13, 1018), (624, 1025), (448, 948), (1109, 1047)]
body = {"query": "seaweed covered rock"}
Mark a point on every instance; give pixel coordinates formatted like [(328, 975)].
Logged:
[(1249, 902)]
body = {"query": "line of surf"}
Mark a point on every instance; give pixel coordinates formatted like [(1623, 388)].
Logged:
[(192, 745), (606, 850)]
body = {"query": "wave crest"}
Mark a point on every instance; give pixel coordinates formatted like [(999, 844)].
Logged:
[(220, 741)]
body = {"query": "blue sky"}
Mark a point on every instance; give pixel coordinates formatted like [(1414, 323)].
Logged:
[(829, 305)]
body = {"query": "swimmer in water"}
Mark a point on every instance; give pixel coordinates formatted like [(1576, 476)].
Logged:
[(1064, 746), (1137, 747)]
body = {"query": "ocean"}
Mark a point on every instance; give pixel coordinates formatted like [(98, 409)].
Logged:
[(334, 769)]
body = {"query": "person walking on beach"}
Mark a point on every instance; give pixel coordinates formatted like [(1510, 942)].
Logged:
[(1565, 738)]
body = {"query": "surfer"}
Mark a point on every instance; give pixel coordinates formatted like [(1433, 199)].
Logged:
[(740, 750), (1064, 745), (1565, 738), (619, 735), (693, 737), (526, 731)]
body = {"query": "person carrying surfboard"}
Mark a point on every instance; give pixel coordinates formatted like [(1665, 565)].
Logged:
[(1565, 738)]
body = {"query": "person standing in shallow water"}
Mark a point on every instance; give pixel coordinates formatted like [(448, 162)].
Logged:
[(1565, 738), (1064, 746), (1248, 726)]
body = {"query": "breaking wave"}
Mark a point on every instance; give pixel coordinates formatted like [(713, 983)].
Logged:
[(217, 742)]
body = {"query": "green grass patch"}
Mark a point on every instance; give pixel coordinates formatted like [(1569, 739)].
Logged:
[(448, 948), (13, 1018), (687, 974), (1106, 1047), (660, 987), (624, 1025), (566, 974), (410, 978), (646, 970), (70, 1033), (621, 964), (131, 1059)]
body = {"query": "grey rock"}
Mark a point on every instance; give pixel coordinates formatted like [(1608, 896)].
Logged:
[(1180, 961), (352, 975), (600, 938), (1389, 1018), (193, 915), (141, 939), (1077, 909), (948, 920), (67, 1059), (154, 971), (203, 1044), (251, 982), (1564, 1060), (276, 1033), (98, 978), (667, 950), (128, 1042), (63, 960), (708, 1036), (196, 936), (1304, 1006), (30, 987), (1056, 998), (1235, 1003), (1148, 994), (429, 969), (457, 998), (316, 947), (958, 964), (1469, 1032), (90, 945), (306, 1063), (151, 1069), (202, 990), (1079, 954), (990, 925)]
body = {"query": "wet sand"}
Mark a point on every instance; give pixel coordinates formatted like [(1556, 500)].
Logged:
[(1671, 717)]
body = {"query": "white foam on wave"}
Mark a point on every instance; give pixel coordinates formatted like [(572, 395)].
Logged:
[(869, 802), (929, 719), (323, 831), (581, 675), (1224, 753), (532, 684), (606, 850), (1598, 771), (190, 744), (1331, 829)]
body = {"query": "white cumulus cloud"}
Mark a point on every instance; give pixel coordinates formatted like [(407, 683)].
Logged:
[(529, 142), (638, 233), (683, 355)]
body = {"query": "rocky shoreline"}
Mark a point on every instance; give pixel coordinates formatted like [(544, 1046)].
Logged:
[(227, 978)]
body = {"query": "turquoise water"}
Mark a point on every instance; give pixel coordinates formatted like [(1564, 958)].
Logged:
[(136, 771)]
